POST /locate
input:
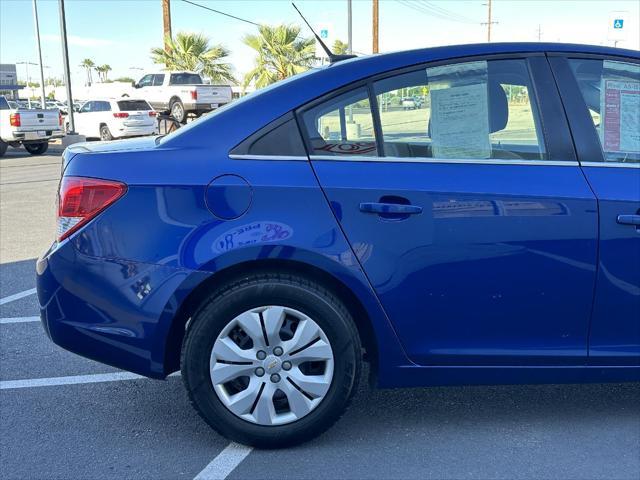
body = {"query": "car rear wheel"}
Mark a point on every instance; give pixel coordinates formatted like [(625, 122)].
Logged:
[(3, 148), (105, 133), (177, 111), (36, 148), (271, 360)]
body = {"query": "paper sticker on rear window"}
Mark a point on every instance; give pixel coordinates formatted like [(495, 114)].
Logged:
[(459, 110)]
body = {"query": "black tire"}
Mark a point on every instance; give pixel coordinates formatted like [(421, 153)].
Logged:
[(176, 109), (105, 133), (36, 148), (3, 148), (252, 291)]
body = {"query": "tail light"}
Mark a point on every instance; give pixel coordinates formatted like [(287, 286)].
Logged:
[(194, 95), (59, 118), (121, 115), (14, 120), (152, 113), (82, 199)]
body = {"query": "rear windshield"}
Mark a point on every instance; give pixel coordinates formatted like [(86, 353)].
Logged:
[(185, 79), (133, 105), (4, 105)]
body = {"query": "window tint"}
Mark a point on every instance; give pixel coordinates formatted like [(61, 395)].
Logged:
[(185, 79), (611, 91), (101, 106), (133, 105), (146, 81), (4, 105), (342, 126), (158, 79), (281, 139), (472, 110), (87, 107)]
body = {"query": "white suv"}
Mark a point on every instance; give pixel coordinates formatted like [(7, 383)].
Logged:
[(107, 119)]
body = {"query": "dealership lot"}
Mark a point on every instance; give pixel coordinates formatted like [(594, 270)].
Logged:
[(131, 427)]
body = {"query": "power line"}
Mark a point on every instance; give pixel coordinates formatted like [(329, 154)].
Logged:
[(222, 13), (444, 11), (428, 9)]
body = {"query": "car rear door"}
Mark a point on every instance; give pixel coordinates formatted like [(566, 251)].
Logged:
[(602, 99), (469, 215)]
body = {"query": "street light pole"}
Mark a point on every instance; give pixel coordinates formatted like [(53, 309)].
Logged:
[(349, 28), (67, 70), (35, 21)]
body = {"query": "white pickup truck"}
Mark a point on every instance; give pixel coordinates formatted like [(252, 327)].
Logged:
[(32, 128), (181, 93)]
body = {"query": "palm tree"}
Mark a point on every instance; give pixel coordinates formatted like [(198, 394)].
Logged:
[(88, 65), (192, 52), (339, 47), (281, 54), (103, 72)]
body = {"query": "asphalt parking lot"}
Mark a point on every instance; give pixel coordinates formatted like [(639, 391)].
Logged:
[(62, 416)]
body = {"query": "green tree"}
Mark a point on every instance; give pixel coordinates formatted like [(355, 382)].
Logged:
[(103, 72), (88, 66), (124, 79), (339, 47), (282, 52), (192, 52)]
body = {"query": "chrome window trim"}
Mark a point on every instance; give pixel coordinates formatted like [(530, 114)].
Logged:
[(247, 156), (483, 161), (611, 164)]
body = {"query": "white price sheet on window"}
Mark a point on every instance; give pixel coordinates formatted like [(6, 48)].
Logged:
[(621, 119), (460, 122)]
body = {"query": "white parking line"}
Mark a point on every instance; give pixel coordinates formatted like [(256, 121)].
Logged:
[(70, 380), (226, 461), (17, 296), (4, 321)]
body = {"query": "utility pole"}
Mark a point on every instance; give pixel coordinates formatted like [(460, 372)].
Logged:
[(489, 22), (539, 32), (349, 29), (37, 26), (166, 22), (376, 17), (67, 70)]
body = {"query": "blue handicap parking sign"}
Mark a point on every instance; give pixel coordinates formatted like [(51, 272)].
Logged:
[(324, 33), (618, 23)]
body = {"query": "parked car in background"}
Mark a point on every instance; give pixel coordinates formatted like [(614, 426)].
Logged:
[(181, 93), (107, 119), (59, 105), (409, 103), (265, 247), (32, 128)]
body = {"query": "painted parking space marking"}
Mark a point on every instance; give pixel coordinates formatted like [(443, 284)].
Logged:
[(225, 463), (4, 321), (70, 380), (17, 296)]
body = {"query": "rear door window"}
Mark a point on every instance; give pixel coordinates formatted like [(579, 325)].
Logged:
[(158, 79), (341, 126), (611, 91), (133, 105), (472, 110)]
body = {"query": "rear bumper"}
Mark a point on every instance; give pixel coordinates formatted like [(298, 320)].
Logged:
[(201, 107), (34, 136), (135, 131), (112, 311)]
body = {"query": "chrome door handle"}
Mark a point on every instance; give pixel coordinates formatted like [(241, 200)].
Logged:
[(629, 220)]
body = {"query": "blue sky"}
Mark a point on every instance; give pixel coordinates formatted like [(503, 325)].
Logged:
[(121, 32)]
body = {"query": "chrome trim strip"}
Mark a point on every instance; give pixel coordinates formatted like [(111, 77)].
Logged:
[(611, 164), (487, 161), (268, 157)]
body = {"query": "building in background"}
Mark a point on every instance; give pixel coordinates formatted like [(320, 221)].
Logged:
[(9, 81)]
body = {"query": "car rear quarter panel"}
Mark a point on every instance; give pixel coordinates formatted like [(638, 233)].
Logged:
[(150, 249)]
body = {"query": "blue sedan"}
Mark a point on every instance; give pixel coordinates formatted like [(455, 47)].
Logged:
[(490, 234)]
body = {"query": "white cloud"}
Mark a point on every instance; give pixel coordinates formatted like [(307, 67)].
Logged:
[(78, 41)]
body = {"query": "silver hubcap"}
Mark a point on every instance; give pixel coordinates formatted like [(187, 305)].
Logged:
[(271, 365), (177, 112)]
